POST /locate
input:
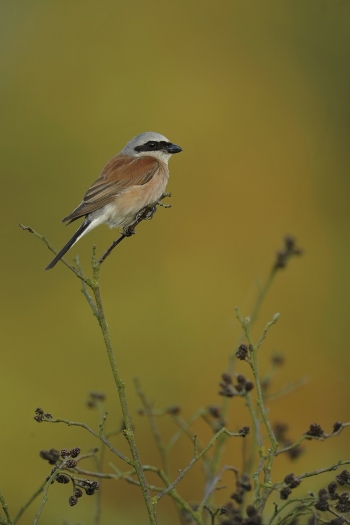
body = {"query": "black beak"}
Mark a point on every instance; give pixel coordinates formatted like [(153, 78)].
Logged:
[(173, 148)]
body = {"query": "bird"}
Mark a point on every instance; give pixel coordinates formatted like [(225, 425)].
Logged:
[(133, 179)]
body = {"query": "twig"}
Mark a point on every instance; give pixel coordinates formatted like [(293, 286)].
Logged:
[(154, 428), (111, 248), (84, 290), (245, 323), (31, 499), (332, 511), (194, 460), (185, 428), (128, 432), (212, 487), (290, 387), (143, 215), (307, 436), (86, 427), (52, 249), (9, 520)]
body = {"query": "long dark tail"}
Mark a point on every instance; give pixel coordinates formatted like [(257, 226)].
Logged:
[(69, 244)]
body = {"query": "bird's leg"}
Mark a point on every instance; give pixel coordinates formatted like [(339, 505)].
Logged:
[(159, 203), (145, 214)]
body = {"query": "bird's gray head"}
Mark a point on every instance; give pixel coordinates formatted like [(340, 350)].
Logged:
[(150, 143)]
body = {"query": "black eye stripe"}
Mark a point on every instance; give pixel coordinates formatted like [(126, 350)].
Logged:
[(152, 145)]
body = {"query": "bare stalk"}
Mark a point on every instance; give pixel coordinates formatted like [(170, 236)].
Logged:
[(128, 432)]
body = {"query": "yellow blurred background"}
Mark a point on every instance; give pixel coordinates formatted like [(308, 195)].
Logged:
[(257, 95)]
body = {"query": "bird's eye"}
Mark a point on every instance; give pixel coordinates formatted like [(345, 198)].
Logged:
[(151, 144)]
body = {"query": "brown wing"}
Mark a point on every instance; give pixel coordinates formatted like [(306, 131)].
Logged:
[(121, 172)]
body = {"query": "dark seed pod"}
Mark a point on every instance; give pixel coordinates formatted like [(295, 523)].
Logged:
[(62, 478), (73, 500), (71, 463)]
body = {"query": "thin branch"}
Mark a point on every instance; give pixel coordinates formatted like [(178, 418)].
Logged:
[(194, 460), (86, 427), (323, 470), (144, 215), (212, 487), (154, 427), (9, 520), (52, 249), (332, 511), (307, 436), (290, 387), (31, 499), (128, 431), (85, 292), (185, 428)]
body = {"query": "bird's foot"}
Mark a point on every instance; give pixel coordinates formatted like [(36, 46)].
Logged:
[(159, 203), (146, 213), (128, 232)]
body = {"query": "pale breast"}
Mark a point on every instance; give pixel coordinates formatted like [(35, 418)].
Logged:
[(123, 210)]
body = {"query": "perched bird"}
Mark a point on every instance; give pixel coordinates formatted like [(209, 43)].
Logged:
[(133, 179)]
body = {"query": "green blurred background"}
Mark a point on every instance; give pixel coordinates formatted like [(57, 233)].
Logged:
[(257, 94)]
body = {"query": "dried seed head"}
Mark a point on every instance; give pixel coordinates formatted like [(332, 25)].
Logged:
[(71, 463), (73, 500), (78, 492), (75, 452), (251, 511), (214, 411), (278, 359), (174, 410), (242, 352), (65, 453), (289, 478), (332, 487), (249, 386), (99, 396), (315, 430), (62, 478), (244, 431), (52, 455), (285, 492), (337, 426), (226, 378)]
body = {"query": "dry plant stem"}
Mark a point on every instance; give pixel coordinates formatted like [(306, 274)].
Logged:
[(9, 520), (270, 456), (308, 437), (232, 358), (142, 215), (185, 428), (290, 501), (113, 245), (102, 438), (196, 456), (154, 427), (128, 432), (164, 455), (93, 284), (332, 511), (290, 387), (211, 489), (31, 499), (98, 458), (45, 498)]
